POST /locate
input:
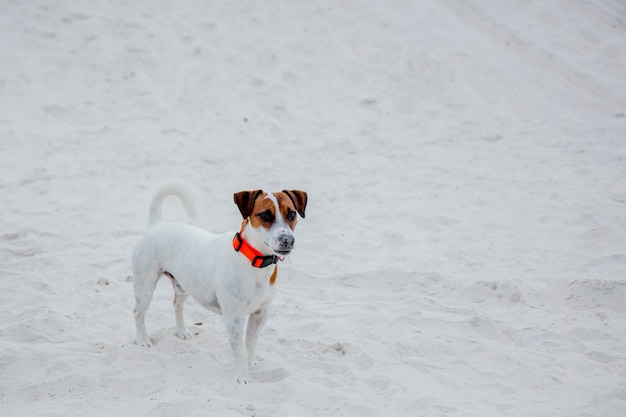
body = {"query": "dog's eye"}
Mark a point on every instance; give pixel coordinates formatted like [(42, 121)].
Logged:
[(291, 215), (266, 216)]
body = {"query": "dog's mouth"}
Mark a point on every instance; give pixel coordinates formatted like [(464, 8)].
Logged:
[(282, 252)]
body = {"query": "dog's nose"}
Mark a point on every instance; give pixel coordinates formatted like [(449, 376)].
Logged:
[(286, 241)]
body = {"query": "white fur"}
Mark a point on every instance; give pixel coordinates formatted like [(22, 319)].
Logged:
[(205, 266)]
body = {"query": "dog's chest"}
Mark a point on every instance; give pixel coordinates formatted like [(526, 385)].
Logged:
[(257, 295)]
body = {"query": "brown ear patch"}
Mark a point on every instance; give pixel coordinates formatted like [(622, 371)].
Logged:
[(245, 201), (299, 200)]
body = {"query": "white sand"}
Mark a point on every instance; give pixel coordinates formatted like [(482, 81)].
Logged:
[(464, 251)]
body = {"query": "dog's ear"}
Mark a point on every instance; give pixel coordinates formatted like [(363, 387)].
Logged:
[(245, 201), (299, 199)]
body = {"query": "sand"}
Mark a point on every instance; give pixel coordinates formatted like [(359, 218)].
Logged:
[(464, 250)]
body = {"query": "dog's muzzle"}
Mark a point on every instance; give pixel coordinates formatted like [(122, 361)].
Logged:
[(285, 244)]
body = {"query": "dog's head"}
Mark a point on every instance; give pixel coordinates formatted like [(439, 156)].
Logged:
[(270, 218)]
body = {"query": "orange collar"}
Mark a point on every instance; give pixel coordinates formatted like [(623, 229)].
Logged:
[(257, 259)]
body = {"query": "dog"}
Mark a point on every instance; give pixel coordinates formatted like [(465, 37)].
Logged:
[(231, 274)]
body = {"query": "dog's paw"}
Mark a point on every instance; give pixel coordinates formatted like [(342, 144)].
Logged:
[(184, 334), (144, 343), (243, 379)]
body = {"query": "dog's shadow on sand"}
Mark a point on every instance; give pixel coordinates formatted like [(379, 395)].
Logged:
[(269, 376)]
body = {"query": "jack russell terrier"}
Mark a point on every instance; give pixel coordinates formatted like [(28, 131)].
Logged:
[(232, 274)]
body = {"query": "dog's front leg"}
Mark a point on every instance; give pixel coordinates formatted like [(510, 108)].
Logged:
[(256, 321), (235, 327)]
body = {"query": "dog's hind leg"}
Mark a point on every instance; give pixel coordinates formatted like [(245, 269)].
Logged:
[(180, 296), (144, 290)]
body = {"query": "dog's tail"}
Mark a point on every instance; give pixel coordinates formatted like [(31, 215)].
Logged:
[(178, 190)]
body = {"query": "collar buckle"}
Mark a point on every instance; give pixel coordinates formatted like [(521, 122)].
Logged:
[(264, 261)]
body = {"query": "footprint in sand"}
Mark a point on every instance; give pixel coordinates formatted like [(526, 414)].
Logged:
[(271, 376)]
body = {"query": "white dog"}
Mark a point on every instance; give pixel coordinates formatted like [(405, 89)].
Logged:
[(232, 274)]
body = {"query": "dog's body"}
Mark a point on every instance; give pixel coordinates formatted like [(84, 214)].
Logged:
[(229, 274)]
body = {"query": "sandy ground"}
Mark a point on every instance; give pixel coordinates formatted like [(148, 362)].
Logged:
[(464, 250)]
